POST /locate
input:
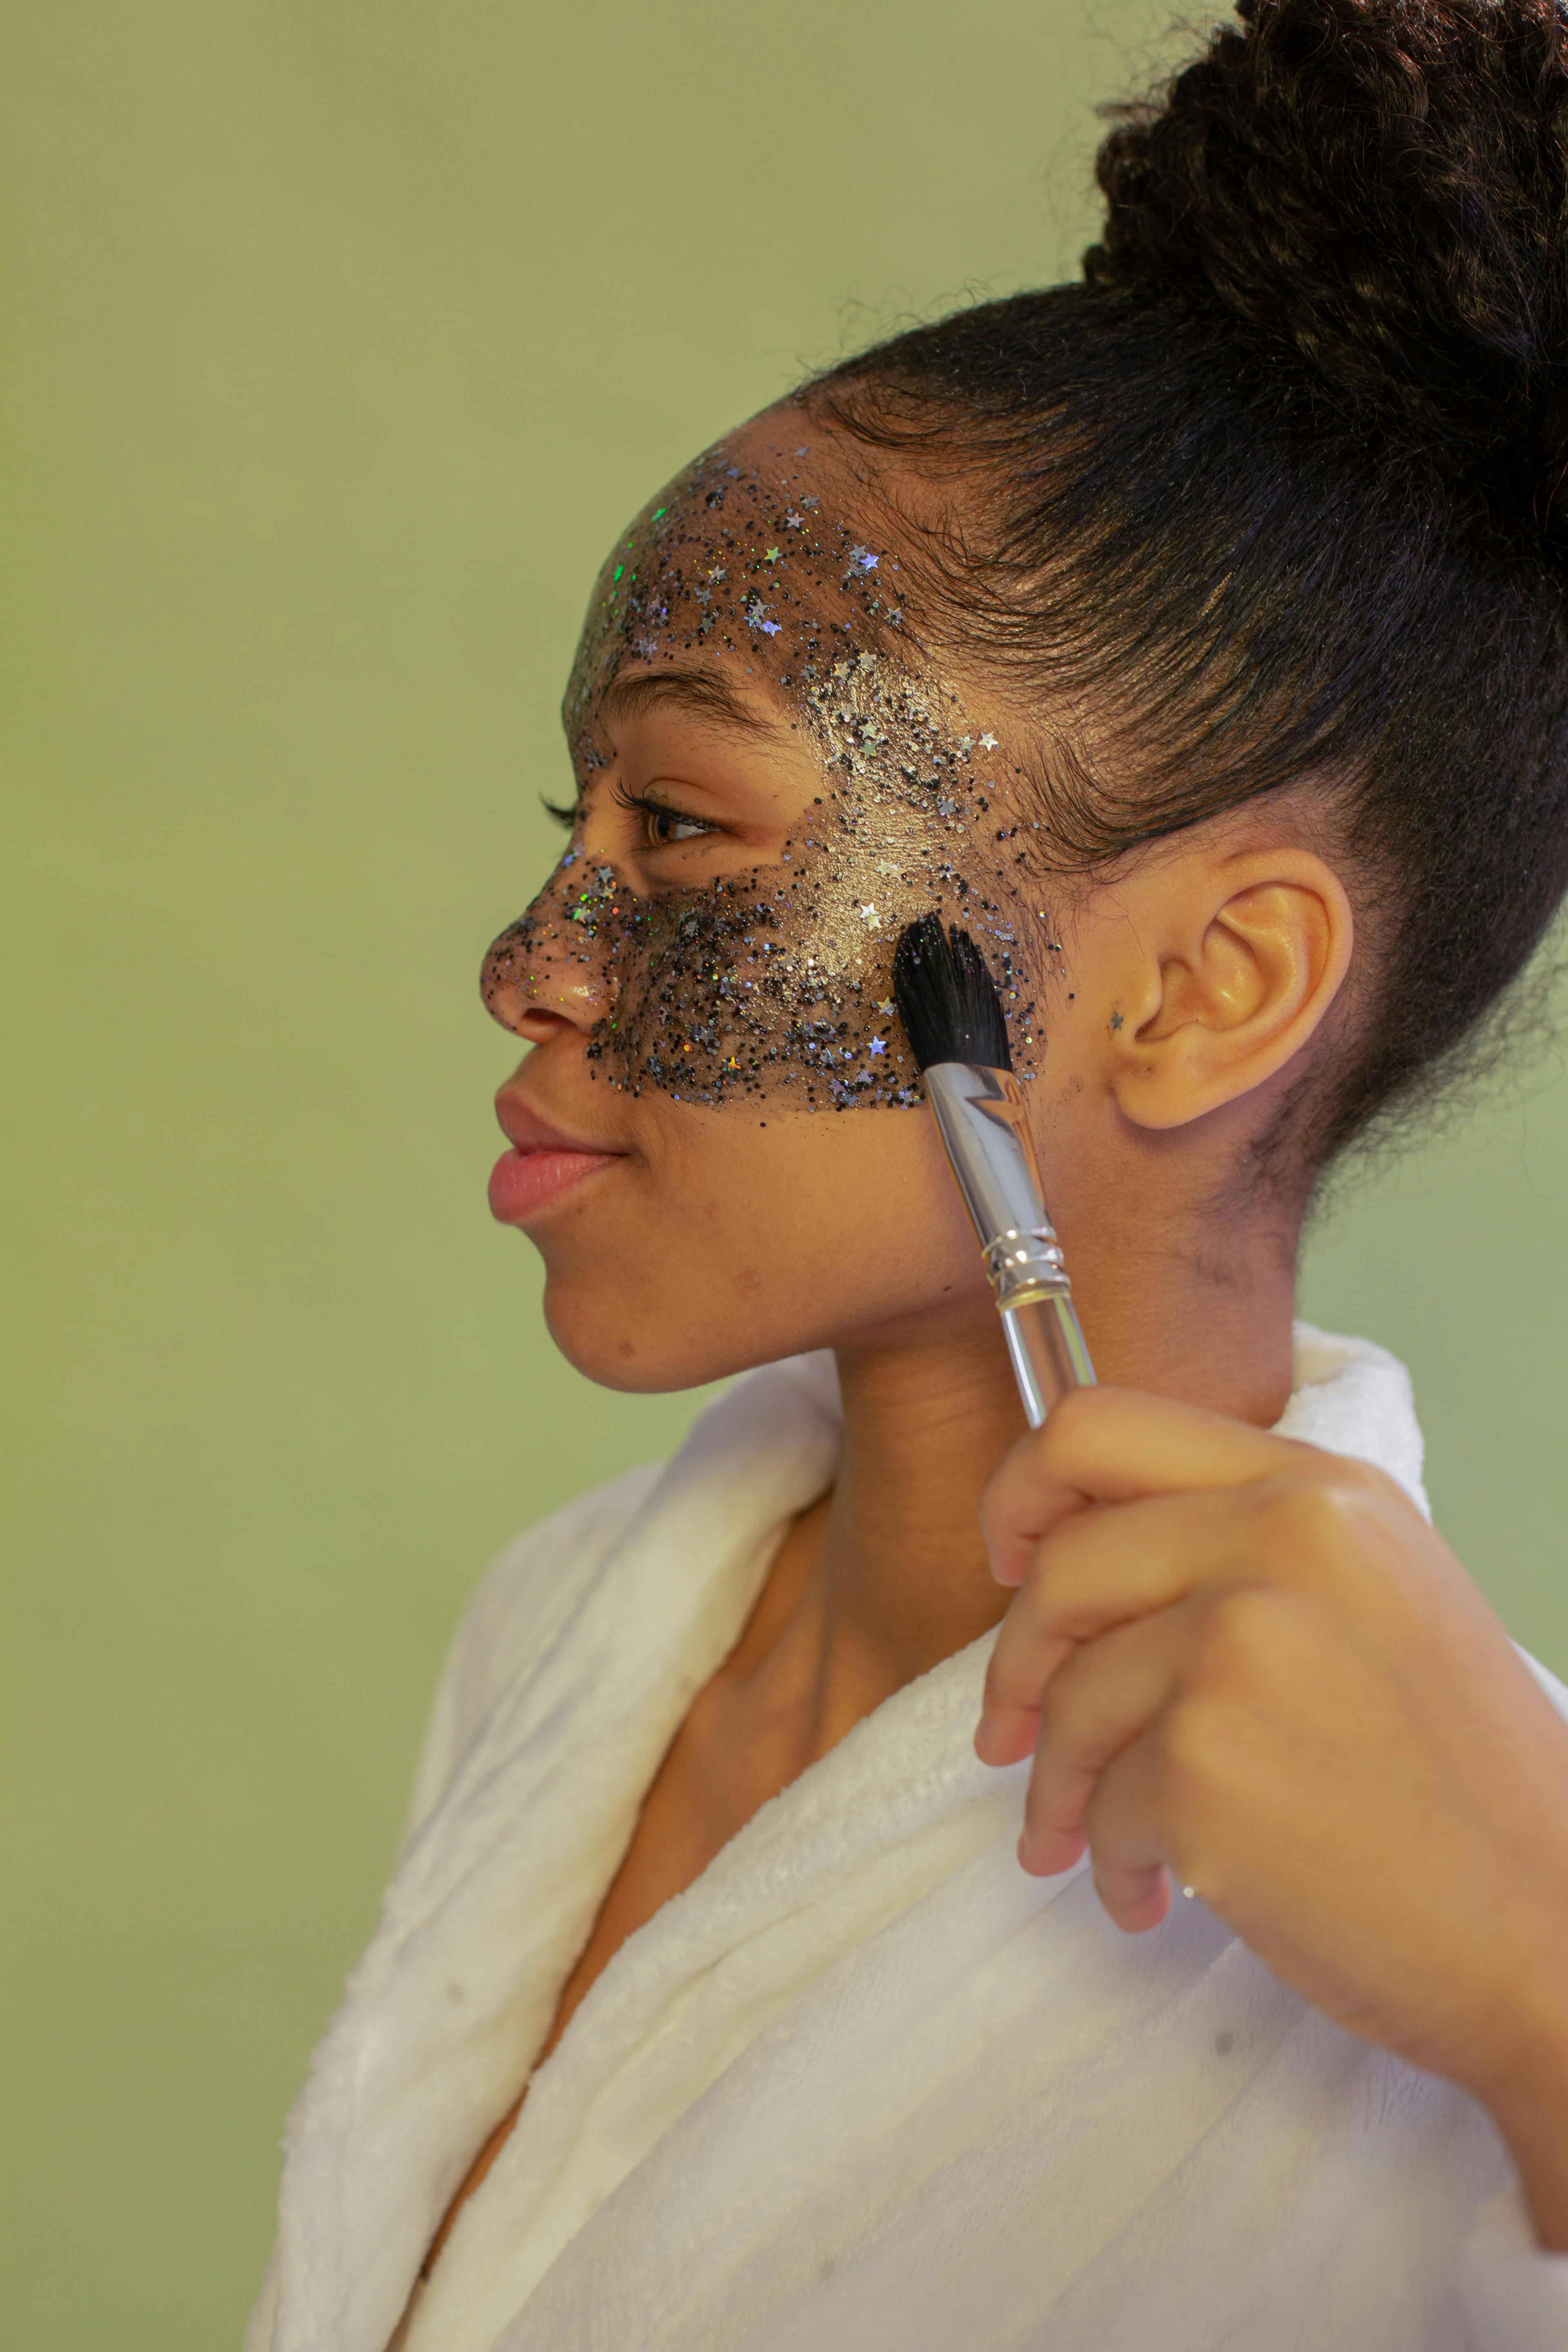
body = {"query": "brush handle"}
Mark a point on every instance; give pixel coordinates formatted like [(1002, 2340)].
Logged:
[(1046, 1349), (985, 1128)]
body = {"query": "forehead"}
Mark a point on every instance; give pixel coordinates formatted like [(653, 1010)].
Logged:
[(765, 562)]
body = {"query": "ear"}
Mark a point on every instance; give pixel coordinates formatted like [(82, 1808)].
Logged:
[(1236, 962)]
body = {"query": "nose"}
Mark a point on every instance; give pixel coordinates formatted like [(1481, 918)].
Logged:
[(545, 972)]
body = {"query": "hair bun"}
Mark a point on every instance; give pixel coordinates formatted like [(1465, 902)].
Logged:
[(1380, 188)]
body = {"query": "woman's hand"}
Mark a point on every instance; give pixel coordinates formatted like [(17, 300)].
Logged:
[(1255, 1665)]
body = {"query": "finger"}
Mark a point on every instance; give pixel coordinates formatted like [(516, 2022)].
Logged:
[(1103, 1699), (1310, 1532), (1123, 1825), (1115, 1445), (1105, 1569)]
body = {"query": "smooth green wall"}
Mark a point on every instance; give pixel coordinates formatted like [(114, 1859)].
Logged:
[(339, 338)]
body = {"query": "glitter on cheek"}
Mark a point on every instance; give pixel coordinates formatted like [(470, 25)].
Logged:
[(775, 982)]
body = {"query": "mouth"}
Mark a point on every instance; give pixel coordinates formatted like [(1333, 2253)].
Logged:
[(543, 1165)]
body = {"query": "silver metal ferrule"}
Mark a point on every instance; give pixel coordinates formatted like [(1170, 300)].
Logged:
[(981, 1118)]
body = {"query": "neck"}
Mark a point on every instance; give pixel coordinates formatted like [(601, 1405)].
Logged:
[(886, 1576), (902, 1564), (1194, 1311), (926, 1425)]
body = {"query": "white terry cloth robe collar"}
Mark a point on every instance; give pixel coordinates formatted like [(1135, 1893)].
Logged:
[(865, 2081)]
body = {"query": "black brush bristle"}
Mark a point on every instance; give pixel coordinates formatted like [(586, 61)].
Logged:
[(947, 999)]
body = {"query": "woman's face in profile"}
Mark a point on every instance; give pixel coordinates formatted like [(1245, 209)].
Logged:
[(771, 781)]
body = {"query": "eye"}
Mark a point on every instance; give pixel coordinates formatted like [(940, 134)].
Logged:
[(665, 825), (662, 826)]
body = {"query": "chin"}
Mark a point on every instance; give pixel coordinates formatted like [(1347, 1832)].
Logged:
[(648, 1350)]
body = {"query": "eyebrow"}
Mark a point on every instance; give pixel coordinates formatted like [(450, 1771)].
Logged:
[(700, 693)]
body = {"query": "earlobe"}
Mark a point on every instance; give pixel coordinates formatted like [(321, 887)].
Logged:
[(1242, 977)]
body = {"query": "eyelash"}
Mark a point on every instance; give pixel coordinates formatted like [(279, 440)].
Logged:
[(643, 804), (569, 815)]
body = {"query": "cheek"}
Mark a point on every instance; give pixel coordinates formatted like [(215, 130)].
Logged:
[(728, 1244), (755, 991)]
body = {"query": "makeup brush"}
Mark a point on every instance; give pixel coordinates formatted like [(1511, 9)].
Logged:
[(954, 1018)]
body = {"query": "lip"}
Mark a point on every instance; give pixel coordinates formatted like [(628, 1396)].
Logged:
[(542, 1167)]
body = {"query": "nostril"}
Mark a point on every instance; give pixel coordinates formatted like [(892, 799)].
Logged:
[(537, 979), (508, 982), (528, 990), (505, 998), (536, 1022)]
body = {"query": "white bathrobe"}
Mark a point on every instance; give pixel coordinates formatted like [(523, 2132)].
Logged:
[(865, 2086)]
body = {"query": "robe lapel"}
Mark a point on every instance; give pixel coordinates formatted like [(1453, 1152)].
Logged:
[(497, 1892), (898, 1807)]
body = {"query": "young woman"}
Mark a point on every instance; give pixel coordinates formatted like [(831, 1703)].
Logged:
[(783, 1952)]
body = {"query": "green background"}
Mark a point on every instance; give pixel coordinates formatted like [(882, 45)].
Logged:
[(339, 338)]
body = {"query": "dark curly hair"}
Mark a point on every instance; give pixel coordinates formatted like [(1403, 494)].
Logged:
[(1288, 468)]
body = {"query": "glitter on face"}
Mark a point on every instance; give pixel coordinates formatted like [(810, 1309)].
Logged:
[(775, 982)]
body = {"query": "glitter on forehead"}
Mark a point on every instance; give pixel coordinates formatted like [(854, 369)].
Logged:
[(777, 983)]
